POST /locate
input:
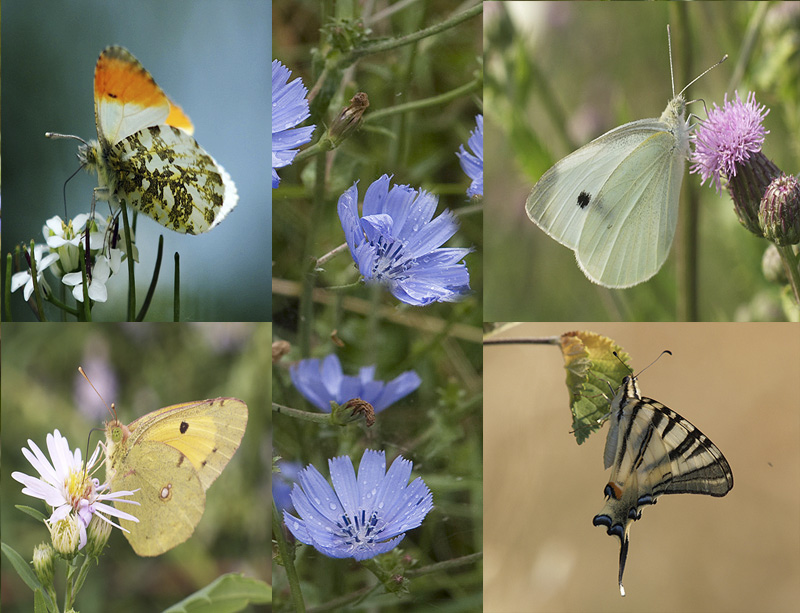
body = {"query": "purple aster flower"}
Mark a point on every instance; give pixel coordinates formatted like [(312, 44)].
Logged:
[(728, 138), (358, 518), (66, 486), (473, 164), (324, 382), (289, 108), (396, 242)]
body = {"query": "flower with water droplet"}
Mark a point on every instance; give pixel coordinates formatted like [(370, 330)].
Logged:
[(358, 517), (396, 242), (472, 163), (289, 108), (324, 382)]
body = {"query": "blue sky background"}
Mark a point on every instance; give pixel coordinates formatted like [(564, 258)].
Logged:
[(212, 59)]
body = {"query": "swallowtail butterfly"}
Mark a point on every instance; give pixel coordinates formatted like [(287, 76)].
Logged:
[(653, 451)]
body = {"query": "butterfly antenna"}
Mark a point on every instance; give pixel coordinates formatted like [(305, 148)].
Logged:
[(706, 71), (671, 73), (654, 361), (56, 135), (112, 410)]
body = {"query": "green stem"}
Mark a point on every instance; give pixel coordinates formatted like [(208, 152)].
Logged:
[(63, 306), (323, 145), (7, 296), (287, 556), (129, 257), (83, 572), (394, 43), (317, 418), (449, 565), (475, 85), (36, 290), (310, 275), (322, 260), (342, 288), (53, 598), (791, 265), (152, 289), (85, 309), (176, 309)]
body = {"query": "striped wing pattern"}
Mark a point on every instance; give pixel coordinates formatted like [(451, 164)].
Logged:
[(653, 451)]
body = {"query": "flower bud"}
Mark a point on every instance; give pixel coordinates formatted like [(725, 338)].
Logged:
[(349, 119), (66, 534), (747, 187), (779, 212), (97, 533), (280, 349), (43, 556), (360, 407)]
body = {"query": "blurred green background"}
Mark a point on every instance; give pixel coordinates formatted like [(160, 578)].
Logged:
[(140, 368), (211, 59), (560, 74)]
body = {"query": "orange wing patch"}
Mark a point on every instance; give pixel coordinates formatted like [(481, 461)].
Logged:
[(146, 156)]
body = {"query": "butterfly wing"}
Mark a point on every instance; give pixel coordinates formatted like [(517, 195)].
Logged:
[(177, 183), (615, 200), (631, 221), (561, 200), (170, 495), (127, 99), (653, 451), (207, 432)]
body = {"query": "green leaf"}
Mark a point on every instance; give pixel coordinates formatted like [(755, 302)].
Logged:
[(39, 602), (22, 567), (35, 513), (25, 572), (226, 594), (593, 372)]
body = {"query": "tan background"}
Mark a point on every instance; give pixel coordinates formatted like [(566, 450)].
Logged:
[(738, 383)]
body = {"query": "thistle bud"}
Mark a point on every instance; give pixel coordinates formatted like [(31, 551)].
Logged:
[(779, 212)]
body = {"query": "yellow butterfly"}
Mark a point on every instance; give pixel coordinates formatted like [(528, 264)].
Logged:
[(171, 456)]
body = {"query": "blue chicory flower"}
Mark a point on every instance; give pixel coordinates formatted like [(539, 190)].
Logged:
[(358, 518), (289, 108), (472, 163), (396, 242), (282, 483), (325, 382)]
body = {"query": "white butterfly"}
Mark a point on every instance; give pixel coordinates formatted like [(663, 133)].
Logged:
[(614, 201)]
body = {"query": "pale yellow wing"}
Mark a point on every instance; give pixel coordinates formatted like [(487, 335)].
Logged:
[(170, 496), (207, 432)]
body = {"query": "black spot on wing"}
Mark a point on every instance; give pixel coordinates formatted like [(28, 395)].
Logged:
[(184, 427), (583, 199)]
